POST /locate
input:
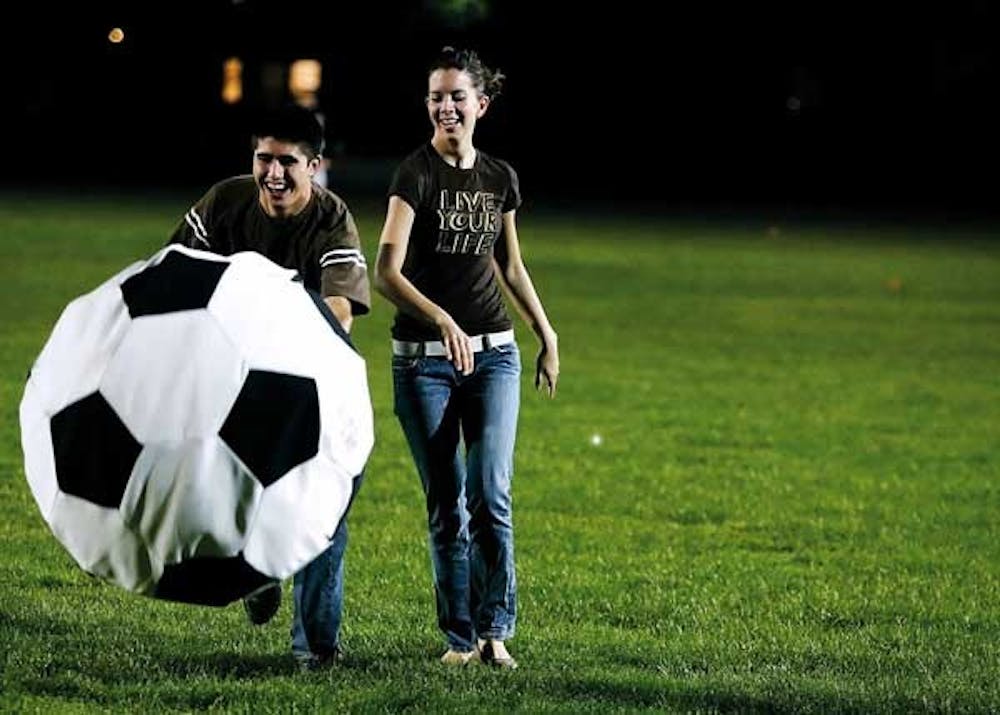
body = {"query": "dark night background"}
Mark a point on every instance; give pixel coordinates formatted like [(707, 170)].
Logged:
[(824, 104)]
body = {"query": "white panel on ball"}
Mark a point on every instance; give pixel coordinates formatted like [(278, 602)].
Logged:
[(204, 500), (174, 377), (266, 324), (102, 543), (76, 355), (276, 549)]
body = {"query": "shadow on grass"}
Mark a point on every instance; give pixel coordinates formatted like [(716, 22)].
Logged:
[(33, 626), (143, 669), (719, 698), (228, 666), (191, 682), (56, 653)]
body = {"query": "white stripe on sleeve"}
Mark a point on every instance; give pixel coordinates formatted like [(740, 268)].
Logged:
[(194, 221), (343, 255)]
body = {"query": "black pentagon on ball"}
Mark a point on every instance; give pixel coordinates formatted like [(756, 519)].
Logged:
[(178, 282), (209, 581), (94, 451), (274, 424)]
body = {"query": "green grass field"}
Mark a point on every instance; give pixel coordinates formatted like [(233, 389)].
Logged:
[(794, 507)]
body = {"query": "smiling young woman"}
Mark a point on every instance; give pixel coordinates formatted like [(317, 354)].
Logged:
[(448, 244)]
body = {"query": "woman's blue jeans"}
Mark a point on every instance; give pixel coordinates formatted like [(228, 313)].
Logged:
[(471, 533)]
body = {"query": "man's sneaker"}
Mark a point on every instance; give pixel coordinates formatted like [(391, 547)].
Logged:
[(311, 662), (457, 657), (261, 606), (494, 653)]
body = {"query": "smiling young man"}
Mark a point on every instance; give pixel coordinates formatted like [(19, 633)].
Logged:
[(281, 213)]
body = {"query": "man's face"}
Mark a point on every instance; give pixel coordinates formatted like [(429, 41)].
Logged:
[(283, 175)]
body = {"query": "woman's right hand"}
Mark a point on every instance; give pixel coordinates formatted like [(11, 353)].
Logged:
[(457, 346)]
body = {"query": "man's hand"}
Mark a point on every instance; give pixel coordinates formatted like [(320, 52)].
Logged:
[(341, 309)]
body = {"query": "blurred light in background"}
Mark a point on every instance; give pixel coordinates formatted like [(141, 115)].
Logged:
[(459, 12), (304, 80), (232, 80), (116, 35)]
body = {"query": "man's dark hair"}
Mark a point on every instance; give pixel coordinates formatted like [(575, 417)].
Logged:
[(293, 124)]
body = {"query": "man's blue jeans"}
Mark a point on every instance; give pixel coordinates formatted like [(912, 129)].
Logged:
[(471, 534), (319, 595)]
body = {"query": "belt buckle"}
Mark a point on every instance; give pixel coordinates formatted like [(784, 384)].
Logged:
[(411, 349)]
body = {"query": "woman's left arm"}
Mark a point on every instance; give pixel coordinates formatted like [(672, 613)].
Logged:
[(513, 275)]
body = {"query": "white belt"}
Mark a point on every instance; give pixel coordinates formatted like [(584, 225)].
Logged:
[(435, 348)]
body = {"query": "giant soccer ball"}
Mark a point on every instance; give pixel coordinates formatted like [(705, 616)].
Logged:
[(192, 427)]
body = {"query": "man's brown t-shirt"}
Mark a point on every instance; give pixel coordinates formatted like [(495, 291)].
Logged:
[(321, 242)]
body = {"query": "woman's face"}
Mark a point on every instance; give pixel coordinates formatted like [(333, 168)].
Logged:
[(453, 104)]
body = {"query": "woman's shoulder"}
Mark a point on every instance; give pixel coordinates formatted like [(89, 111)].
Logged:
[(416, 170), (494, 164), (419, 158)]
